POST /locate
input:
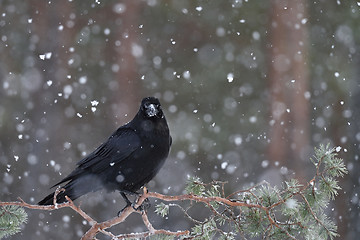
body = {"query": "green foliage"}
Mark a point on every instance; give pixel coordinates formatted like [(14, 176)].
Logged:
[(213, 191), (162, 209), (268, 195), (11, 218), (293, 186), (333, 166), (329, 186), (204, 230), (293, 211), (254, 221), (195, 186)]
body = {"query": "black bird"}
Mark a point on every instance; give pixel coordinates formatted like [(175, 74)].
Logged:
[(130, 158)]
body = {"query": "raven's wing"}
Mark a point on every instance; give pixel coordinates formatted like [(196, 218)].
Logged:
[(118, 147)]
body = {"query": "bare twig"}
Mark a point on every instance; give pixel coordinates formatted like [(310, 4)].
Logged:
[(248, 190), (185, 212)]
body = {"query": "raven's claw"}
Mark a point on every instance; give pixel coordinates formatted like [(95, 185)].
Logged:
[(144, 206)]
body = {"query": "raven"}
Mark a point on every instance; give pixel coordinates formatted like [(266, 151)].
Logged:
[(130, 158)]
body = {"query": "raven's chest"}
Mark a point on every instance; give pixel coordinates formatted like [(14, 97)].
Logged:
[(154, 148)]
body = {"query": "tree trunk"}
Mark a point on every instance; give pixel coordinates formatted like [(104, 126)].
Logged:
[(129, 94), (288, 82)]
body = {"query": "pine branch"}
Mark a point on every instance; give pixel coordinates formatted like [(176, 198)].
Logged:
[(293, 211), (11, 217)]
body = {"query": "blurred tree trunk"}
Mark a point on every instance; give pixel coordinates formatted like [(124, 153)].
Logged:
[(338, 130), (127, 99), (288, 78), (45, 16)]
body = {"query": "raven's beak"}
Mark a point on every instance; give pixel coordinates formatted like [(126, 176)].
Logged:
[(152, 110)]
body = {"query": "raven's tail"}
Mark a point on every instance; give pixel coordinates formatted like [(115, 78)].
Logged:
[(74, 189), (60, 198)]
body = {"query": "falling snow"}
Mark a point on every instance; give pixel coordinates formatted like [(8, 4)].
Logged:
[(71, 77), (199, 8), (230, 77), (291, 203), (45, 56)]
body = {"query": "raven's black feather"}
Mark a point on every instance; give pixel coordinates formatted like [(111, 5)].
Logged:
[(130, 158)]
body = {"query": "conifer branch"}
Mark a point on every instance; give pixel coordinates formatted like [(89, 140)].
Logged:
[(294, 211)]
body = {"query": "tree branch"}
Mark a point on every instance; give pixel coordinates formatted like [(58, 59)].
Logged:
[(102, 226), (259, 210)]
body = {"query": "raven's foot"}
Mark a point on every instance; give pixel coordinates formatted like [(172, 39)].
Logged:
[(128, 203), (144, 206)]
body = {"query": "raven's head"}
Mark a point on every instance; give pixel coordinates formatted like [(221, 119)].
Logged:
[(151, 108)]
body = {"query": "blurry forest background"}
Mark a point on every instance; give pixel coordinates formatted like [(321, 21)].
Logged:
[(248, 89)]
